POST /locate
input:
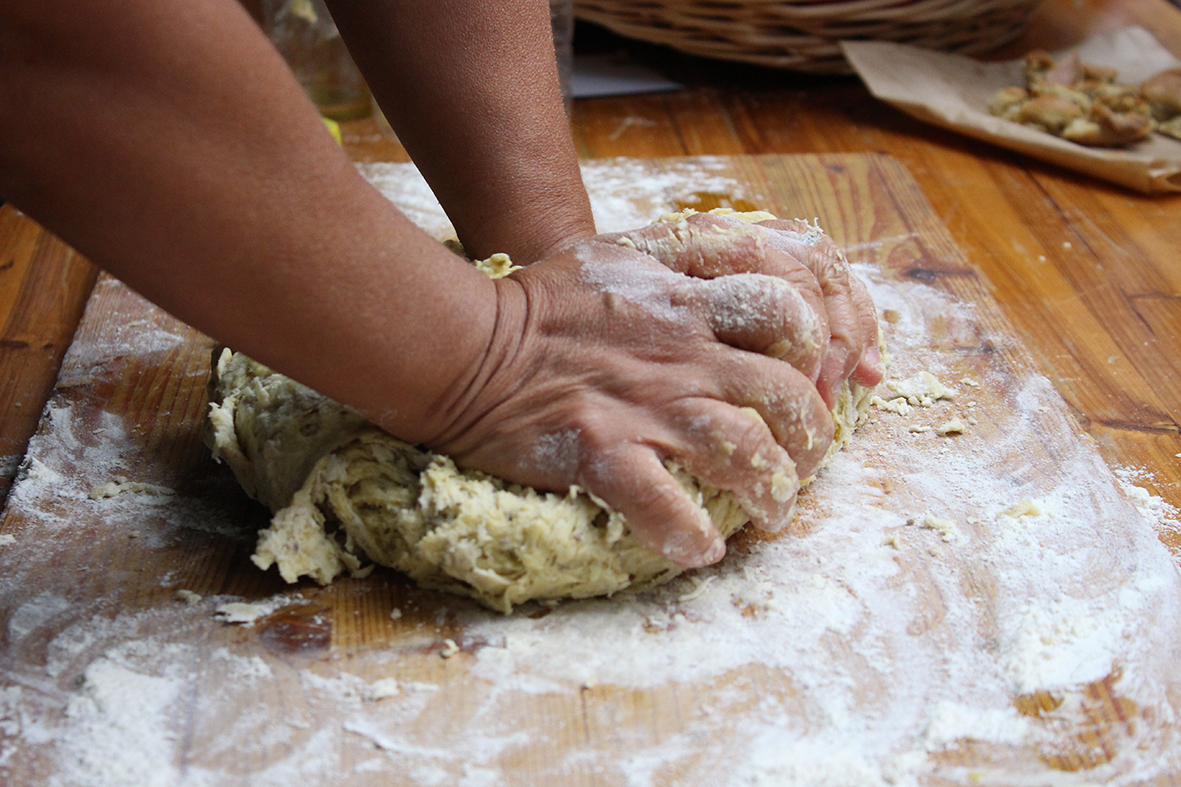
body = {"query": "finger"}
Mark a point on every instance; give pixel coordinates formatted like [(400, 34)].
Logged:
[(706, 246), (734, 450), (848, 340), (698, 247), (710, 247), (762, 314), (633, 481), (787, 401), (869, 370)]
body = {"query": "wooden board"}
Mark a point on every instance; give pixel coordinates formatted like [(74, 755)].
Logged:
[(859, 647), (43, 286)]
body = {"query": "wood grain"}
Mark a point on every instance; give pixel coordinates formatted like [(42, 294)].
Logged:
[(43, 287), (1088, 277), (130, 400)]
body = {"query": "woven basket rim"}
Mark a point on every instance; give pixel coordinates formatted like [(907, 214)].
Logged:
[(803, 34)]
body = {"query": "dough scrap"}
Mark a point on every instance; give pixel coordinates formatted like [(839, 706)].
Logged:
[(344, 492)]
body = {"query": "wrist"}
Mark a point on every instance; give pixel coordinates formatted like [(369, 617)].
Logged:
[(473, 393), (529, 230)]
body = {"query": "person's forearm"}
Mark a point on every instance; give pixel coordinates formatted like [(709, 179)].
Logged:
[(166, 141), (471, 88)]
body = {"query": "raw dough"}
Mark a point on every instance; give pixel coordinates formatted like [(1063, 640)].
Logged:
[(343, 492)]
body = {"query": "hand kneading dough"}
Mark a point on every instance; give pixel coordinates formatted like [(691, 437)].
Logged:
[(343, 492)]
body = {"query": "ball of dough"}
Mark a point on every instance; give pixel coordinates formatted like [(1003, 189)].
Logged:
[(344, 493)]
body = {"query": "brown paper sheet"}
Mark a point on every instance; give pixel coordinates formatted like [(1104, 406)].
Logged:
[(952, 91)]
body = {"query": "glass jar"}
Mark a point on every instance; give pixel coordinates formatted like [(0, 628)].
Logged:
[(306, 36)]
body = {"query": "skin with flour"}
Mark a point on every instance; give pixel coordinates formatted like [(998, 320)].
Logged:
[(344, 492)]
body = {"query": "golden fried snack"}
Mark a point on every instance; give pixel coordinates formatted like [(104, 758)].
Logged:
[(1110, 124), (1048, 113), (1084, 103), (1163, 94)]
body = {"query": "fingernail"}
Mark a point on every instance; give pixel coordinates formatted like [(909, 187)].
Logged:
[(772, 525), (716, 552), (874, 357), (830, 392)]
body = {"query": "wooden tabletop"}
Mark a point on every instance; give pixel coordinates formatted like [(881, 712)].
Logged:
[(1090, 274)]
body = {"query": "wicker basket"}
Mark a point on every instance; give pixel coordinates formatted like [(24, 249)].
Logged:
[(802, 35)]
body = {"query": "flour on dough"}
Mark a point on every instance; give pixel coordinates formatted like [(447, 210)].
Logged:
[(344, 493)]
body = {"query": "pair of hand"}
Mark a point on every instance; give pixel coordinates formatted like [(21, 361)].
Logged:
[(710, 343)]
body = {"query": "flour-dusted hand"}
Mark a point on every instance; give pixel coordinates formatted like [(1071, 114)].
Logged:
[(853, 352), (842, 344), (605, 365)]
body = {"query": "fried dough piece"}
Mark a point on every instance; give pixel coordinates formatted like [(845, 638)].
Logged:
[(1163, 94), (1049, 113), (1106, 126), (1007, 102), (1171, 127), (1084, 103)]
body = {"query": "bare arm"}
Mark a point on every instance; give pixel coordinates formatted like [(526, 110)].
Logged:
[(472, 90), (168, 142)]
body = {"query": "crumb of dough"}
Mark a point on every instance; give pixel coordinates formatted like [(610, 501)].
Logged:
[(697, 591), (449, 649), (749, 216), (891, 541), (380, 690), (954, 426), (240, 612), (6, 539), (345, 494), (898, 405), (121, 485), (1022, 508), (187, 596), (918, 429), (497, 266), (969, 382), (945, 527), (921, 390)]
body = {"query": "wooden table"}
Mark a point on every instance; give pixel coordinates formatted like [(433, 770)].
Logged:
[(1089, 274)]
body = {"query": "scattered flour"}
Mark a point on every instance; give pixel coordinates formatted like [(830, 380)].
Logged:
[(625, 193), (814, 659), (1165, 519), (116, 709)]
